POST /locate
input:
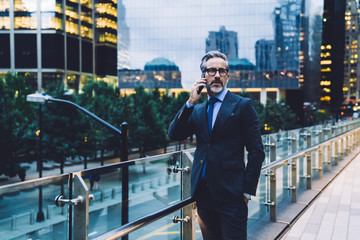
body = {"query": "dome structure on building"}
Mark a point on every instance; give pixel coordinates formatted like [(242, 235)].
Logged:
[(161, 64), (240, 64)]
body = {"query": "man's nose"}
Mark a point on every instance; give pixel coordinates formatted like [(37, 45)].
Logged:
[(217, 74)]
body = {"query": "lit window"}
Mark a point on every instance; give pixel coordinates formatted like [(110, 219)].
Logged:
[(325, 62)]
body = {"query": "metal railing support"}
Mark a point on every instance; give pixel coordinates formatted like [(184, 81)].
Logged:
[(329, 158), (336, 153), (308, 170), (272, 202), (320, 162), (124, 175), (293, 187), (189, 227)]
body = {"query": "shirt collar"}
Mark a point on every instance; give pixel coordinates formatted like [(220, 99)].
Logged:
[(221, 95)]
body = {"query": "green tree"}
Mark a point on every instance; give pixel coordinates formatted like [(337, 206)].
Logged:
[(17, 128), (146, 127), (277, 116)]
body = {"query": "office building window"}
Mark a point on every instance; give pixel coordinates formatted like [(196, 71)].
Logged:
[(25, 14)]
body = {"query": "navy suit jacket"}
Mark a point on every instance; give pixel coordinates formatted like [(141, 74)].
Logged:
[(236, 127)]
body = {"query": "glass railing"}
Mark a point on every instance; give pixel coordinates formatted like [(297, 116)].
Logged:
[(28, 211), (137, 198), (151, 187)]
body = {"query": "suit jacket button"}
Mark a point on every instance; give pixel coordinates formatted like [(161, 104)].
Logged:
[(209, 144), (201, 161)]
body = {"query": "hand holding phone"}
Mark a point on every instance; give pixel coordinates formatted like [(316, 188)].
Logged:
[(201, 87)]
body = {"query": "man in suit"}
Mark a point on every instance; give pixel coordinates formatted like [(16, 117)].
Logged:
[(221, 182)]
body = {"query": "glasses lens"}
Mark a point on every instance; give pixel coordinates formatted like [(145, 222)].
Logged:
[(212, 71), (222, 72)]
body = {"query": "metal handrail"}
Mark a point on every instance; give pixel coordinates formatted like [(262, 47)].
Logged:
[(283, 161), (141, 222), (32, 183)]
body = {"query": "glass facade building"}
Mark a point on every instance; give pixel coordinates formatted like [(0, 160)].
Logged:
[(351, 86), (270, 42), (332, 54), (55, 41)]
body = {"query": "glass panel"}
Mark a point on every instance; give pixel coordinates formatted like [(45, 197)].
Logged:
[(282, 183), (25, 14), (4, 14), (257, 208), (160, 230), (72, 18), (20, 217), (315, 164), (152, 187), (51, 14)]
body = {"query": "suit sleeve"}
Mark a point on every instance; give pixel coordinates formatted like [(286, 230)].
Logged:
[(254, 146), (181, 127)]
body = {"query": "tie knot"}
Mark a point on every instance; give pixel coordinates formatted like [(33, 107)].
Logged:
[(213, 100)]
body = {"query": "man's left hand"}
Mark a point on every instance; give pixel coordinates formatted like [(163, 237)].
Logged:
[(246, 200)]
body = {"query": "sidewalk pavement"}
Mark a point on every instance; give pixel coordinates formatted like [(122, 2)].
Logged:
[(335, 214)]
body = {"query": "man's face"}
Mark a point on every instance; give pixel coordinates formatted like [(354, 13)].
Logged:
[(215, 84)]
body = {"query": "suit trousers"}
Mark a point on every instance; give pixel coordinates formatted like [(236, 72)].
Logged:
[(220, 221)]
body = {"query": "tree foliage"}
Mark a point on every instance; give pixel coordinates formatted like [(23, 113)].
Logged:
[(69, 134), (17, 126)]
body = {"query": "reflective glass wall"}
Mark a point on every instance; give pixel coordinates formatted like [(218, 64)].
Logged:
[(270, 43)]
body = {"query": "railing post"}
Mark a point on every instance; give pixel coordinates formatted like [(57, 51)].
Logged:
[(272, 202), (336, 152), (329, 133), (321, 135), (272, 146), (328, 157), (124, 176), (293, 140), (346, 145), (320, 162), (308, 170), (341, 148), (293, 187), (189, 228)]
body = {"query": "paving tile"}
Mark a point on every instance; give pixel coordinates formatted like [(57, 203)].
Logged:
[(308, 236), (354, 224), (342, 219), (326, 226), (335, 215), (312, 228), (339, 233)]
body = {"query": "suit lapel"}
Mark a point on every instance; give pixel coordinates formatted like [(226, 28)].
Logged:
[(227, 107)]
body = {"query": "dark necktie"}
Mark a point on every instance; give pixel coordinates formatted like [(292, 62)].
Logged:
[(211, 103)]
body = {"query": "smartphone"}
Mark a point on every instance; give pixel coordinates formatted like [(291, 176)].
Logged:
[(201, 87)]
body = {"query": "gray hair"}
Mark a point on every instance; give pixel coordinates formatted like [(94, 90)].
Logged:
[(212, 54)]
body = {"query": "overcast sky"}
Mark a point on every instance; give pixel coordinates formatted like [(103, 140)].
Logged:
[(177, 29)]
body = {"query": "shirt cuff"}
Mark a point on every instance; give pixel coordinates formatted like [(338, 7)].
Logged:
[(188, 105), (248, 196)]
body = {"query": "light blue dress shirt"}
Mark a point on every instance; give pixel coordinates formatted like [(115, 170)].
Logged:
[(217, 105)]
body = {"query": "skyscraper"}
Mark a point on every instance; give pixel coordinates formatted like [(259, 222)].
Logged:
[(351, 55), (332, 54), (123, 38), (265, 55), (224, 41), (55, 41)]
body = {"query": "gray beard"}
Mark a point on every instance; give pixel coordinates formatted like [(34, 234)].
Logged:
[(216, 90)]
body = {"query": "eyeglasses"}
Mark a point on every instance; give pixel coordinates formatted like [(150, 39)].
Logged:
[(212, 71)]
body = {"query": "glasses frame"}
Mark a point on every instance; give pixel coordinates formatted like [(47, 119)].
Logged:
[(217, 70)]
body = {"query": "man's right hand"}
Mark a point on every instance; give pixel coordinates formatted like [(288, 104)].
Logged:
[(194, 95)]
